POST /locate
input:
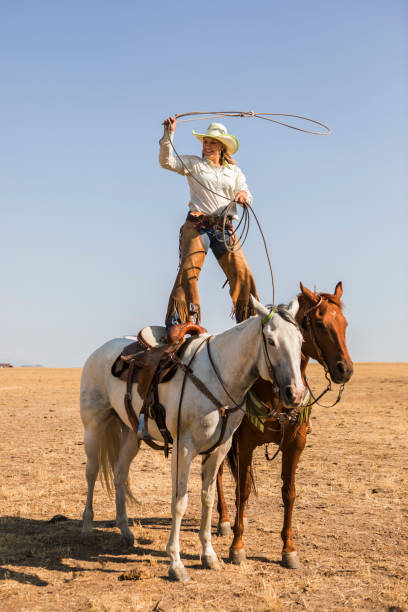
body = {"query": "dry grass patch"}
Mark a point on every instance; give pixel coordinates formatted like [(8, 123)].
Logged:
[(350, 517)]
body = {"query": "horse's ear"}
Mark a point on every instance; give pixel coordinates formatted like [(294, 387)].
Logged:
[(294, 307), (309, 294), (338, 292), (258, 307)]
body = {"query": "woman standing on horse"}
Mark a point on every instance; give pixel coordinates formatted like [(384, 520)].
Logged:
[(215, 172)]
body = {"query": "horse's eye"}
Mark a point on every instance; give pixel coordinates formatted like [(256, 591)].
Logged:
[(271, 342)]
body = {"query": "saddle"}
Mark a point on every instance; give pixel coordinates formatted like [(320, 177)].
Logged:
[(148, 362), (153, 348)]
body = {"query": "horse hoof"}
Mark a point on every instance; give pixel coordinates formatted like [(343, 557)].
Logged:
[(237, 555), (210, 562), (179, 574), (245, 522), (224, 529), (87, 539), (290, 560), (127, 541)]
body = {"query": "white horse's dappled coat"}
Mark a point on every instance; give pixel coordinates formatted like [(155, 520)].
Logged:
[(238, 354)]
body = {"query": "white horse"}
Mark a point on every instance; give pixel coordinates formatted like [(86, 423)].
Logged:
[(240, 355)]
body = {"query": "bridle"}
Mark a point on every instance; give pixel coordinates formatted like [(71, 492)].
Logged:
[(269, 364), (286, 418), (307, 326)]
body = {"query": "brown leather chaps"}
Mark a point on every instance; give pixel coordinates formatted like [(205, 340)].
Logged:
[(196, 236)]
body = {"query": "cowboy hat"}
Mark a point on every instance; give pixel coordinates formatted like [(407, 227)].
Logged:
[(218, 131)]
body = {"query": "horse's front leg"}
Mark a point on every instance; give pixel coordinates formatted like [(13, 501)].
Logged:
[(224, 525), (290, 459), (209, 473), (180, 468), (244, 452)]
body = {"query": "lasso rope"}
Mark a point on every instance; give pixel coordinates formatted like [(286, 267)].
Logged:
[(245, 219), (264, 116)]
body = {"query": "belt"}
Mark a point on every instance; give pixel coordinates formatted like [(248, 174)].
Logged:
[(212, 220)]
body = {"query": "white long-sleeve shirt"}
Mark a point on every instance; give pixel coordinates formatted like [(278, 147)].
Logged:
[(226, 180)]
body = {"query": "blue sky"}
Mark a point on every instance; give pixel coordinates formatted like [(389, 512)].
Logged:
[(89, 220)]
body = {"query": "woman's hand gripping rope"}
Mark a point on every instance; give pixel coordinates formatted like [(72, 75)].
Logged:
[(170, 123), (241, 198)]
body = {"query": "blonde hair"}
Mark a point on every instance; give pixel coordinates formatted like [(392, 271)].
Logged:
[(226, 157)]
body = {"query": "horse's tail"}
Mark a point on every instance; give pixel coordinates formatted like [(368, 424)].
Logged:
[(108, 454), (232, 458)]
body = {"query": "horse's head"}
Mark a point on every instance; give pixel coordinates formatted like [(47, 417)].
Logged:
[(324, 325), (279, 360)]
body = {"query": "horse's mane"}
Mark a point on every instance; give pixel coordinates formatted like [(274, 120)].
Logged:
[(282, 310)]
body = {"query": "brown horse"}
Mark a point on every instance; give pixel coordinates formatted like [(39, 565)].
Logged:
[(324, 329)]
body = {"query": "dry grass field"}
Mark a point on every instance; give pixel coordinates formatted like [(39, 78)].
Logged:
[(350, 518)]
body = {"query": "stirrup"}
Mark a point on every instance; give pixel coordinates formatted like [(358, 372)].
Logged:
[(142, 431)]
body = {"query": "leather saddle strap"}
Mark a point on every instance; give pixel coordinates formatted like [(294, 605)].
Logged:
[(197, 382), (134, 421), (235, 405), (225, 411)]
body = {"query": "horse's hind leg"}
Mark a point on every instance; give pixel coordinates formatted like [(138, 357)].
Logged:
[(92, 439), (245, 450), (128, 450), (224, 526), (290, 459)]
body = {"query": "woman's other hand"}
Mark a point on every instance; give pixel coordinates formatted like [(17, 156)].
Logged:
[(170, 123), (241, 197)]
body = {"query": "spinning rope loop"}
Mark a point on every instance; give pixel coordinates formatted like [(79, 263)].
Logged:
[(250, 114)]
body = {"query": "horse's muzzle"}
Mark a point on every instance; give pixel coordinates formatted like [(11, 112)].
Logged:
[(292, 396), (342, 372)]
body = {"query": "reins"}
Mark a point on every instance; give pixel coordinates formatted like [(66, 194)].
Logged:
[(236, 406), (328, 388), (307, 319)]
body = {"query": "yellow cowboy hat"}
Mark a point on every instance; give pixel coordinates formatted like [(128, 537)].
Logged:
[(218, 131)]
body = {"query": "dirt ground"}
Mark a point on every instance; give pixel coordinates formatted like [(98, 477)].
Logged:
[(350, 519)]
